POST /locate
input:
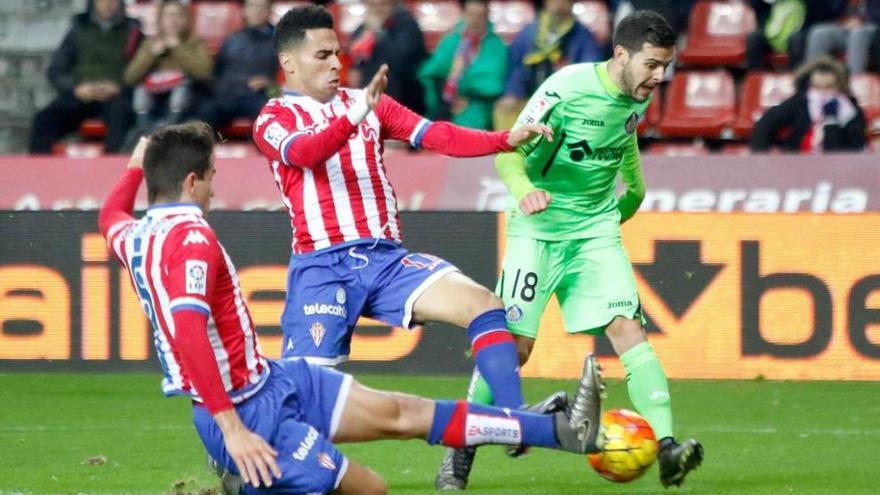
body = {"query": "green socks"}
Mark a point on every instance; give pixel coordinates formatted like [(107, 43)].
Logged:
[(646, 382), (478, 390), (648, 388)]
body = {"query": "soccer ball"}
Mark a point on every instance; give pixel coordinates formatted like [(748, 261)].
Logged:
[(629, 449)]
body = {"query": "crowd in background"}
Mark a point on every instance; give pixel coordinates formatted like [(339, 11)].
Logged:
[(106, 68)]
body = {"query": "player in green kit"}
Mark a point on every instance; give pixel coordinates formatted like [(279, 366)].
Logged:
[(563, 225)]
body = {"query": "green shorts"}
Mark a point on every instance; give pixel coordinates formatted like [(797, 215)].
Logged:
[(592, 279)]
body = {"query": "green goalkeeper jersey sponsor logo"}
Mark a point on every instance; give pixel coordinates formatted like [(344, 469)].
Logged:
[(594, 129)]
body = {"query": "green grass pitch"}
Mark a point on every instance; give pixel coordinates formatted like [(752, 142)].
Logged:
[(116, 434)]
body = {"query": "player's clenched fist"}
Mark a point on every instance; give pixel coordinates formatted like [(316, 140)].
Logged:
[(534, 202)]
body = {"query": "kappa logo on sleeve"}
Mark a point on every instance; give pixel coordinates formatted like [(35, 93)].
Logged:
[(274, 134), (194, 237), (196, 277)]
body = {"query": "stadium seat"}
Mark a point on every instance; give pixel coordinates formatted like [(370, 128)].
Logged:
[(93, 129), (866, 89), (760, 91), (236, 150), (436, 18), (736, 149), (717, 34), (509, 17), (594, 14), (647, 126), (281, 8), (87, 149), (348, 17), (146, 13), (214, 21), (699, 104), (665, 148), (238, 128)]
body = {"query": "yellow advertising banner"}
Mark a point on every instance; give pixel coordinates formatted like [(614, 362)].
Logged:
[(793, 296)]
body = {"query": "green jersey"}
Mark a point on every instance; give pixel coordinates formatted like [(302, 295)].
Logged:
[(594, 138)]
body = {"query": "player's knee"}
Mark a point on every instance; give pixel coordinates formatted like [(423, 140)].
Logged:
[(482, 301), (410, 412), (625, 333)]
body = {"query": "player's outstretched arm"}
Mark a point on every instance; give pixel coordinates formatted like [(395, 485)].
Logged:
[(402, 124), (511, 169), (119, 205)]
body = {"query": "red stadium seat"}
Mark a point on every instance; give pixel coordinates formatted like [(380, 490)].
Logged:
[(93, 128), (147, 13), (717, 34), (436, 18), (510, 17), (699, 104), (866, 89), (594, 15), (214, 21), (238, 128), (760, 91), (652, 115), (281, 8), (678, 149)]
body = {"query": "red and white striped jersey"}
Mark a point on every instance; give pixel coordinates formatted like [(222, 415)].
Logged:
[(177, 264), (348, 196)]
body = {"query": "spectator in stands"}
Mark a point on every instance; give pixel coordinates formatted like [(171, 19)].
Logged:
[(874, 52), (783, 28), (86, 70), (554, 39), (821, 116), (465, 75), (676, 12), (166, 68), (851, 34), (244, 70), (778, 22), (389, 35)]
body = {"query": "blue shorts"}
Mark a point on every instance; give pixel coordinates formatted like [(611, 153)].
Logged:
[(298, 412), (327, 291)]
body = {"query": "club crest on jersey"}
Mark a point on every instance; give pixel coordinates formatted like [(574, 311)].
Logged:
[(196, 277), (326, 461), (317, 331), (631, 123), (194, 237), (514, 314)]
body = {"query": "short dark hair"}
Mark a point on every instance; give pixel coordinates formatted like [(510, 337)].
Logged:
[(172, 154), (292, 27), (643, 26)]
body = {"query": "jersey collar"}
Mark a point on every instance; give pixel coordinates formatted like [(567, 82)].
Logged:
[(168, 209), (607, 83)]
